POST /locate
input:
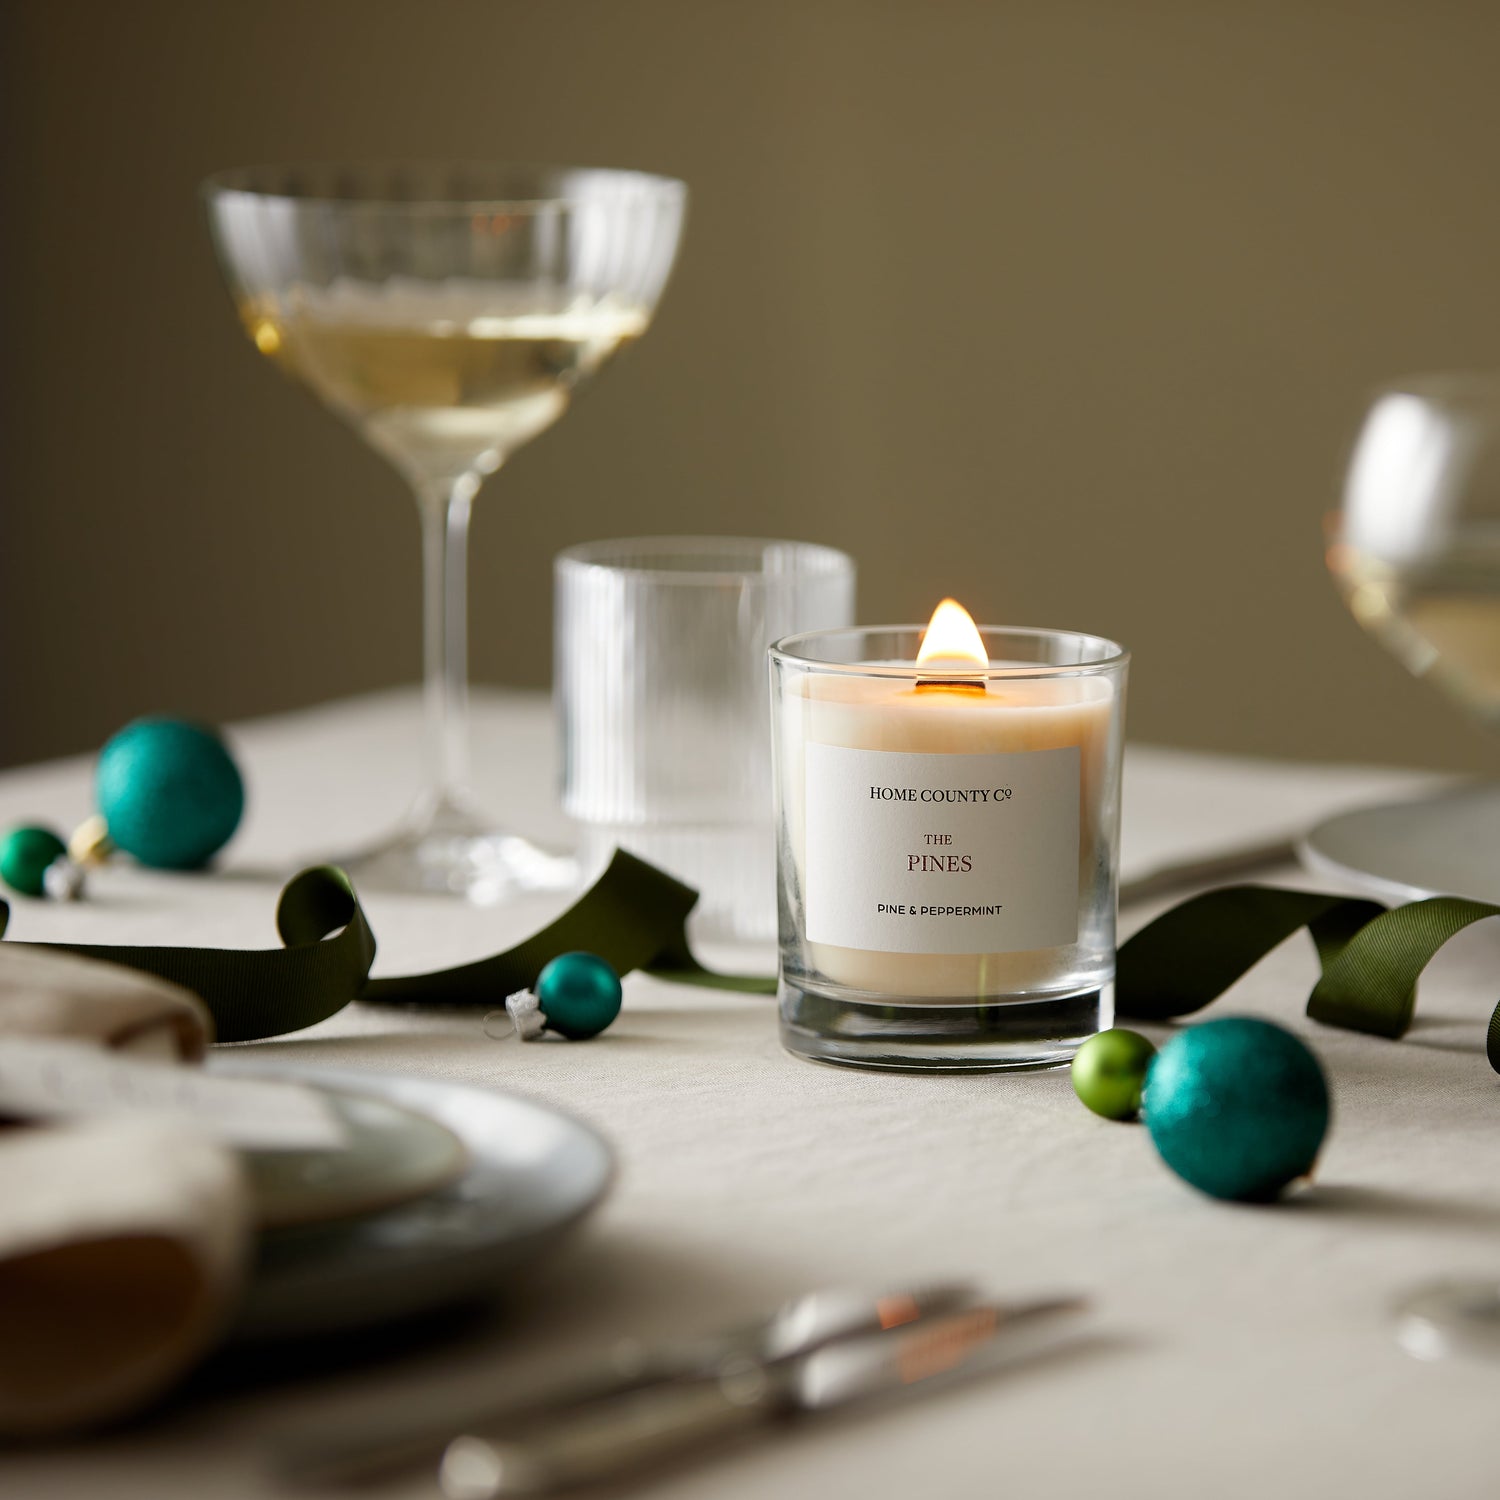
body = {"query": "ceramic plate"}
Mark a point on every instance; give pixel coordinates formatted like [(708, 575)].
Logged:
[(1448, 845), (393, 1156), (532, 1174)]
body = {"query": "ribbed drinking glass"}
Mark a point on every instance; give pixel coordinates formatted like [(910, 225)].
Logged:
[(662, 706)]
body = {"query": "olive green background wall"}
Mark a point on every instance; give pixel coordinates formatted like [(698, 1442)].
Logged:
[(1067, 309)]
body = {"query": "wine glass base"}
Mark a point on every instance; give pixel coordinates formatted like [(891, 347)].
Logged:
[(1447, 845), (451, 852)]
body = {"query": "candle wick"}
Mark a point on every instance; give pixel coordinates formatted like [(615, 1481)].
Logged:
[(967, 684)]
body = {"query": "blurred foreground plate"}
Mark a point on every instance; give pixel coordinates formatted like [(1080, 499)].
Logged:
[(532, 1174)]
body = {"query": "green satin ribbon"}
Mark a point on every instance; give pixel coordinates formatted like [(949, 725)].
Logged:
[(1370, 958), (634, 916)]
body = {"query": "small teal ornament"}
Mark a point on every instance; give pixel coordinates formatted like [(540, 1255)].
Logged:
[(170, 792), (1237, 1107), (1109, 1071), (579, 994), (25, 854)]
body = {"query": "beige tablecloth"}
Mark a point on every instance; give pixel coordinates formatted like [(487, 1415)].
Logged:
[(1248, 1351)]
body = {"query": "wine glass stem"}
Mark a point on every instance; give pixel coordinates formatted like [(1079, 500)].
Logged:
[(444, 506)]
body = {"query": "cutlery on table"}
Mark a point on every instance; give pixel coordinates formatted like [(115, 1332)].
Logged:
[(799, 1327), (658, 1424)]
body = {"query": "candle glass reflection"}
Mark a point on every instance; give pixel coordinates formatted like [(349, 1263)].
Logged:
[(948, 836)]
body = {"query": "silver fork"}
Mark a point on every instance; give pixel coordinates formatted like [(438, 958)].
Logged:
[(799, 1327)]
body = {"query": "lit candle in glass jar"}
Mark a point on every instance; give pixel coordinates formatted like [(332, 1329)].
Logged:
[(949, 820)]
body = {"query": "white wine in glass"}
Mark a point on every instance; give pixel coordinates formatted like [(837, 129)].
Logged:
[(1415, 551), (443, 382), (1439, 617), (448, 313)]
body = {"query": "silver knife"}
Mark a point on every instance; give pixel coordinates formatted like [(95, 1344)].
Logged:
[(656, 1425), (797, 1328)]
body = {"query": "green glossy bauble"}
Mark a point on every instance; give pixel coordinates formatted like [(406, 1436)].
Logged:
[(1237, 1107), (25, 854), (579, 994), (1109, 1071), (169, 792)]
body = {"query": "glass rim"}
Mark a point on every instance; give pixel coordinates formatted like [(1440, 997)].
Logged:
[(1442, 385), (1114, 657), (236, 182), (812, 559)]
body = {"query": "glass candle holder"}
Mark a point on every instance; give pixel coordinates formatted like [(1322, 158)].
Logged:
[(948, 846), (664, 727)]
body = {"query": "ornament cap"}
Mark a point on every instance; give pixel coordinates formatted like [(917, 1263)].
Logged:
[(90, 843), (526, 1012), (62, 880)]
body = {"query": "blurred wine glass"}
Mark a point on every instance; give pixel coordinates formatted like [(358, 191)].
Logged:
[(449, 314), (1417, 545), (1415, 551)]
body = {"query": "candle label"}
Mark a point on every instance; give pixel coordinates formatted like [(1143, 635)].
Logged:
[(912, 853)]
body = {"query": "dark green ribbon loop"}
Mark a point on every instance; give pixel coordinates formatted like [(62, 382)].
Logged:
[(259, 992), (1372, 984), (1370, 958), (634, 916), (1190, 955)]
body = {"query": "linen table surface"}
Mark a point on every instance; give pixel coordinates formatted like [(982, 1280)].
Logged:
[(1241, 1351)]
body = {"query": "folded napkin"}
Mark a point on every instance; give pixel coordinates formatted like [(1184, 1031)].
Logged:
[(57, 994), (122, 1249), (123, 1240)]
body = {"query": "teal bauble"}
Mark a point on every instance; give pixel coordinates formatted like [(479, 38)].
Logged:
[(25, 854), (1109, 1071), (1237, 1107), (579, 994), (169, 792)]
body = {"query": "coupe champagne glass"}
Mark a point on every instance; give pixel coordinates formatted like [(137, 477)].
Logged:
[(448, 314), (1415, 551)]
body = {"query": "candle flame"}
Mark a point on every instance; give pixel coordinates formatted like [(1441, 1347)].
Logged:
[(952, 636)]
